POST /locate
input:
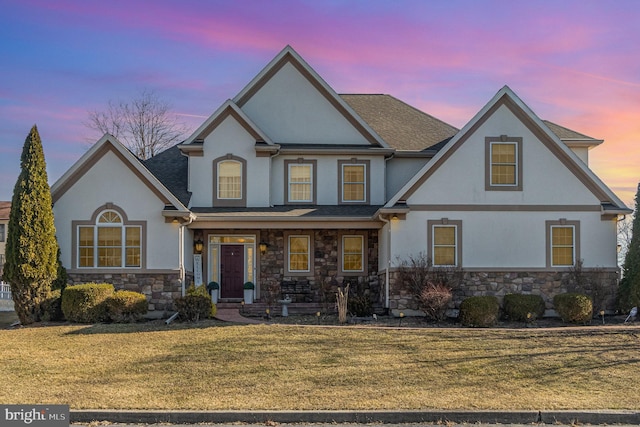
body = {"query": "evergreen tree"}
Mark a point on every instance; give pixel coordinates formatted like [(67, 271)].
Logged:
[(31, 263), (629, 289)]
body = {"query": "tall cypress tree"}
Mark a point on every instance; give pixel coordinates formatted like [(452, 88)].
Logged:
[(629, 289), (31, 263)]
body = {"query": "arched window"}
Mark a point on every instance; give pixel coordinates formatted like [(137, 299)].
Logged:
[(109, 242), (229, 180)]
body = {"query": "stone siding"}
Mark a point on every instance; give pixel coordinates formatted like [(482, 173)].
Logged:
[(159, 288), (321, 285), (500, 283)]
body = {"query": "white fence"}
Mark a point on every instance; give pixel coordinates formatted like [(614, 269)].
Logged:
[(5, 291)]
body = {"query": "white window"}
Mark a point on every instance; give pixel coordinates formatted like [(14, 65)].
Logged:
[(229, 180), (352, 253), (562, 245), (299, 253), (445, 242), (300, 183), (354, 183), (109, 243), (503, 163)]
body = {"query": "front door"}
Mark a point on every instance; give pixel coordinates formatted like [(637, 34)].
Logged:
[(231, 271)]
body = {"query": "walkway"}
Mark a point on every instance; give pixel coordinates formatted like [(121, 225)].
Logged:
[(233, 315)]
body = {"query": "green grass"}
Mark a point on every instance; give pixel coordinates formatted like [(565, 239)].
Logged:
[(210, 366)]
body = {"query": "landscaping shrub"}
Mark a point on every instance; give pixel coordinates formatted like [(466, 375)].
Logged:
[(523, 308), (479, 312), (573, 307), (86, 303), (359, 303), (434, 300), (195, 305), (52, 307), (127, 306)]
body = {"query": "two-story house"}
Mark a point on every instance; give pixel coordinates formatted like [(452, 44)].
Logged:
[(291, 184)]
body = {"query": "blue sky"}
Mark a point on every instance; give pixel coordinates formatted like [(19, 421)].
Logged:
[(573, 62)]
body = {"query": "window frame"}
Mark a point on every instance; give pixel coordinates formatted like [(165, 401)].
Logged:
[(228, 202), (363, 253), (3, 233), (94, 225), (366, 164), (490, 141), (444, 222), (311, 253), (313, 164), (562, 223)]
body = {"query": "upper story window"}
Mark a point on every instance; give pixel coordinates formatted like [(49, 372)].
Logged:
[(445, 242), (2, 233), (108, 242), (230, 181), (300, 181), (353, 179), (562, 243), (503, 163)]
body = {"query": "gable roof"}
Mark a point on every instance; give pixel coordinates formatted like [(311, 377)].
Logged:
[(228, 108), (402, 126), (571, 137), (289, 56), (508, 98), (110, 144)]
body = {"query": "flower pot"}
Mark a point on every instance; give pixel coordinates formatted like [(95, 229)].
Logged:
[(248, 296)]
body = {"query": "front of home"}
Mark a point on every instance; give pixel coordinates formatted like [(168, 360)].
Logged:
[(293, 187)]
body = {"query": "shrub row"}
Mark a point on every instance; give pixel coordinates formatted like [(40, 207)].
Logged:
[(195, 305), (95, 302), (484, 311)]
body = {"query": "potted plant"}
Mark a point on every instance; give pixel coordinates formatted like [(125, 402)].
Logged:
[(214, 289), (248, 292)]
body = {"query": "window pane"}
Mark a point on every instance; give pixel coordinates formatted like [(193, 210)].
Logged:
[(352, 253), (2, 233), (133, 236), (300, 184), (109, 236), (110, 257), (86, 236), (353, 183), (110, 217), (133, 257), (503, 164), (444, 245), (229, 180), (562, 246), (86, 257), (299, 253)]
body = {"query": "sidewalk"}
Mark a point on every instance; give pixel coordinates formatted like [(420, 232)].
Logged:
[(357, 417)]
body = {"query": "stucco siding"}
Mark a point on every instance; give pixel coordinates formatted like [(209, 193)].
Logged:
[(111, 181), (229, 138), (291, 110), (546, 179), (508, 240)]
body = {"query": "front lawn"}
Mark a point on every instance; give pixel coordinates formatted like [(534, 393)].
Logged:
[(211, 366)]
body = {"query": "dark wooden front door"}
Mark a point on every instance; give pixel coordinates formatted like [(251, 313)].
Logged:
[(231, 271)]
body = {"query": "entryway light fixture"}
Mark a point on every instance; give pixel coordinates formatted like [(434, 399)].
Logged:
[(198, 245), (263, 247)]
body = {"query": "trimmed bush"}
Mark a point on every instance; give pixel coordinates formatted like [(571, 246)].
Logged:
[(127, 306), (573, 308), (523, 308), (479, 312), (52, 307), (193, 307), (86, 303)]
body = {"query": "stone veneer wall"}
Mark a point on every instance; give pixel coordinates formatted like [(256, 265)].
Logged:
[(321, 285), (159, 288), (546, 284)]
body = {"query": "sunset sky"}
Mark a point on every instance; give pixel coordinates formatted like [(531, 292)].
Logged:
[(575, 63)]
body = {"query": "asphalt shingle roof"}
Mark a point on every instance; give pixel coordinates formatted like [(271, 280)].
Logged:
[(171, 169), (5, 210), (295, 211), (402, 126), (565, 133)]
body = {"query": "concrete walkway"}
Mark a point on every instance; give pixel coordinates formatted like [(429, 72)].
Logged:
[(233, 315)]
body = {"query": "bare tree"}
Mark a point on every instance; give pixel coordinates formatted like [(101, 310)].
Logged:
[(625, 232), (145, 124)]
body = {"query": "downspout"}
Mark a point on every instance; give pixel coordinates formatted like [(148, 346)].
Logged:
[(386, 273), (181, 247)]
